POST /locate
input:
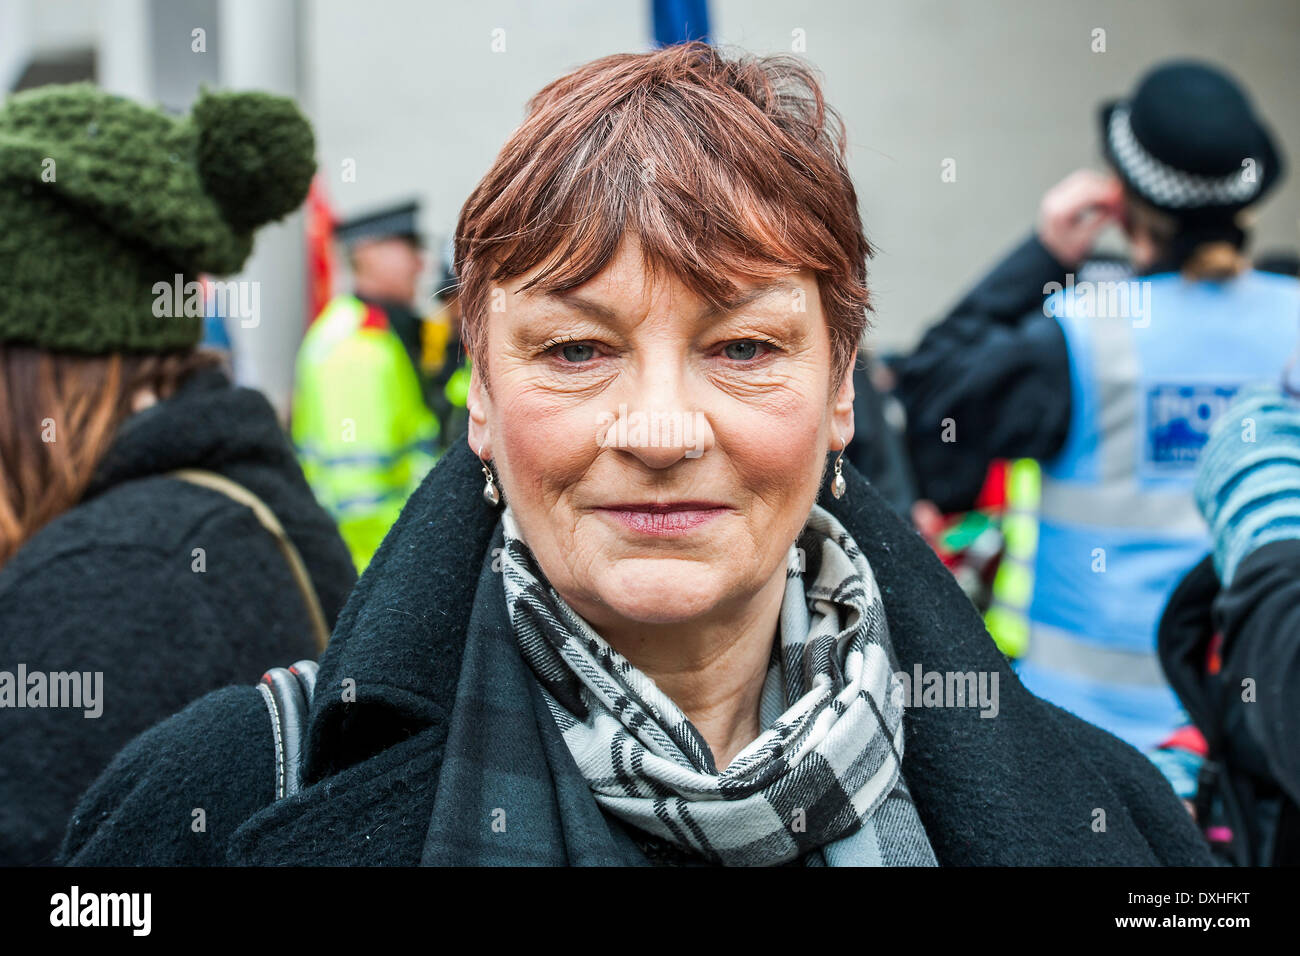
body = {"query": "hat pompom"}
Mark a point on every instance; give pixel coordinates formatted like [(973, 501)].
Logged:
[(256, 155)]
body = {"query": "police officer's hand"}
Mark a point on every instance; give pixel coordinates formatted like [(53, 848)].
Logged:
[(1074, 212)]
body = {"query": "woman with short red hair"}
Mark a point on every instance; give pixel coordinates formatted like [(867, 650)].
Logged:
[(641, 617)]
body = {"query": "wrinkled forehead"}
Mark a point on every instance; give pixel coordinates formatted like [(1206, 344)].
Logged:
[(633, 283)]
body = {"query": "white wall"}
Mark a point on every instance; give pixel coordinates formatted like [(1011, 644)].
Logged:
[(15, 40)]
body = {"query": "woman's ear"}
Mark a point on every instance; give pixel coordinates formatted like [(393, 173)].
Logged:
[(477, 403), (842, 411)]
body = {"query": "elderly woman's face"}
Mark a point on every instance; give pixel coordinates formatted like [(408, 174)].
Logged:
[(659, 459)]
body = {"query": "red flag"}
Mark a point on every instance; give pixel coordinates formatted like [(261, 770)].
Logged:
[(320, 249)]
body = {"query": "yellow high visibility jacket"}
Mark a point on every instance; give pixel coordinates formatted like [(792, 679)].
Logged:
[(365, 436), (1007, 618)]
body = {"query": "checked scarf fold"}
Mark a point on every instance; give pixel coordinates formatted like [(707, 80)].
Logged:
[(822, 781)]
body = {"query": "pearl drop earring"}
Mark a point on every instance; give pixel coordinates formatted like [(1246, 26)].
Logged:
[(838, 485), (490, 492)]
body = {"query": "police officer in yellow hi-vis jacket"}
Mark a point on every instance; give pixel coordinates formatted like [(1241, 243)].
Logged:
[(363, 418)]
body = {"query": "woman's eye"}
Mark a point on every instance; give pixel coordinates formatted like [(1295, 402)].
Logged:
[(576, 352), (573, 353), (742, 351)]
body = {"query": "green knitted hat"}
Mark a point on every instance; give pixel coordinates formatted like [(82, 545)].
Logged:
[(101, 199)]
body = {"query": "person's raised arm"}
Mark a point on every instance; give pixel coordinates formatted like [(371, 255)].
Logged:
[(991, 380)]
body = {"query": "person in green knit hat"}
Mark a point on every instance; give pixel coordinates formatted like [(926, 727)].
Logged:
[(157, 538)]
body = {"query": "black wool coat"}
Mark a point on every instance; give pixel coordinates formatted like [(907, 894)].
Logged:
[(1033, 785), (112, 586)]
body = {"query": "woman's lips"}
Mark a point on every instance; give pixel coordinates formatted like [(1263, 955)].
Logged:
[(664, 520)]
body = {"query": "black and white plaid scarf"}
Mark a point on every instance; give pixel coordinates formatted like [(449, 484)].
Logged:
[(823, 779)]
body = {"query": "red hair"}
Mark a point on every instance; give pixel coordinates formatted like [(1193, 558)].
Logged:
[(723, 168)]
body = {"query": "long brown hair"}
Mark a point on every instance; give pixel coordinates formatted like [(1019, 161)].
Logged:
[(59, 413)]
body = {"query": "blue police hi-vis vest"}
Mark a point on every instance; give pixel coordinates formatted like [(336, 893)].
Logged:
[(1153, 362)]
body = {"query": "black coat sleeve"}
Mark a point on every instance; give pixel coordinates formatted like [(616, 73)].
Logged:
[(993, 378), (176, 794), (1259, 616)]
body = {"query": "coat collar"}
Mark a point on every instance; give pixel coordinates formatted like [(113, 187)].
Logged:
[(193, 428), (394, 658), (509, 792), (1024, 787)]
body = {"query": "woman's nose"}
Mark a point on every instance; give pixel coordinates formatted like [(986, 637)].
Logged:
[(656, 423)]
